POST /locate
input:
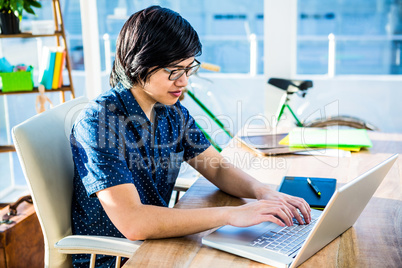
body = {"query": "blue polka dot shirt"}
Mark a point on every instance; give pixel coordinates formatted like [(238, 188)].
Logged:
[(113, 142)]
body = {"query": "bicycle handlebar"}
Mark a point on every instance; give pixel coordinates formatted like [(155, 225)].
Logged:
[(210, 67)]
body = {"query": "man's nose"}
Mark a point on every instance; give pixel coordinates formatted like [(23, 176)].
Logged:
[(182, 81)]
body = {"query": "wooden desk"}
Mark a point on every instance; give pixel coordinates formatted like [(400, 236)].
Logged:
[(374, 241)]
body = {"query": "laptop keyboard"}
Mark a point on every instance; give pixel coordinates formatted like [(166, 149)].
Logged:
[(286, 240)]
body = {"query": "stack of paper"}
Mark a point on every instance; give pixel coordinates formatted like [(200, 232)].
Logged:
[(268, 144), (346, 139)]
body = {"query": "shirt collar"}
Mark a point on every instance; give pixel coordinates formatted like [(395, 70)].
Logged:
[(134, 110)]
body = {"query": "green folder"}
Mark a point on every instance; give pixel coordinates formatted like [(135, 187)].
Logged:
[(298, 186), (335, 138)]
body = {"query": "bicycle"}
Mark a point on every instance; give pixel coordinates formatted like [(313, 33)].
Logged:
[(291, 87), (189, 90), (300, 88)]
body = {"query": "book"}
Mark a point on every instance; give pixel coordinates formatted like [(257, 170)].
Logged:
[(285, 141), (63, 59), (47, 78), (334, 138), (43, 65), (298, 186), (57, 67)]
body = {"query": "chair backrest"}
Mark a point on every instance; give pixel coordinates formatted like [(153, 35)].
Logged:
[(43, 148)]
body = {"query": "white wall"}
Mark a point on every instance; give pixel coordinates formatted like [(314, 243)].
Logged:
[(280, 21)]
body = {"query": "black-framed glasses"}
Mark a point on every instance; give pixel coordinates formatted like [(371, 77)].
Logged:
[(177, 73)]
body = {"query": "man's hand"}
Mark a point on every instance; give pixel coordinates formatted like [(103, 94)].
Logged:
[(293, 203), (236, 182), (261, 211)]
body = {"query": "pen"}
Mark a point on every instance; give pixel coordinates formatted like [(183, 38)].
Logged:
[(315, 188)]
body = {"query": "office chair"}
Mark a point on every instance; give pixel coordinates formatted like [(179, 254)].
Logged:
[(43, 148)]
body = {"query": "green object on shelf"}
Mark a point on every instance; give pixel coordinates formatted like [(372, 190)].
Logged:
[(17, 81)]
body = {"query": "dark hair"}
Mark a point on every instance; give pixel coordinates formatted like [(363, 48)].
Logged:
[(153, 37)]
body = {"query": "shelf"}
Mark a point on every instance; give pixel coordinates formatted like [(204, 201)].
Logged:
[(7, 148), (35, 90), (29, 35), (59, 36)]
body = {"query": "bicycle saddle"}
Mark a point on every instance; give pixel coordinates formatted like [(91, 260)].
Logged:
[(291, 86)]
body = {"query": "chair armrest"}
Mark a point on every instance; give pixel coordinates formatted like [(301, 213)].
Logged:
[(105, 245)]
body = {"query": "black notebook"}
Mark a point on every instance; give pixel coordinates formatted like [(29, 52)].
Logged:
[(298, 186)]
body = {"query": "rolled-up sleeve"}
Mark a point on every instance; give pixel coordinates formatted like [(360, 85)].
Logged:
[(97, 149)]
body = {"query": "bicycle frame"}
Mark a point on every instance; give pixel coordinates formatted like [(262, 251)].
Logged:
[(214, 68), (286, 105), (340, 120), (212, 116)]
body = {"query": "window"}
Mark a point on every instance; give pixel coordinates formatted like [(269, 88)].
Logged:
[(349, 37), (231, 31)]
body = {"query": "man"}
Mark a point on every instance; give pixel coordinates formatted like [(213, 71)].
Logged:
[(129, 142)]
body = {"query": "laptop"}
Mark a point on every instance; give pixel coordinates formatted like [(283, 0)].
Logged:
[(290, 246)]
